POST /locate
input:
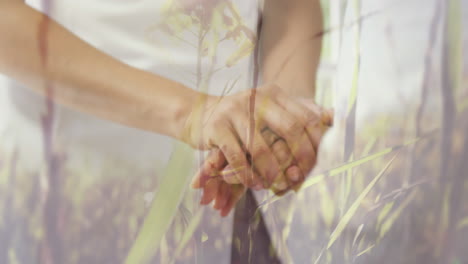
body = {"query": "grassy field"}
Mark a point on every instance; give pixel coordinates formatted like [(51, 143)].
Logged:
[(392, 189)]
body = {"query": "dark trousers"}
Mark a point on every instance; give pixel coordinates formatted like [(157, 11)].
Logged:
[(251, 241)]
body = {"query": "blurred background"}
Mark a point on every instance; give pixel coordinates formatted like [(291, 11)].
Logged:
[(391, 185)]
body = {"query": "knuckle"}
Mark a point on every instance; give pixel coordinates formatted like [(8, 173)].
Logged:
[(293, 128), (259, 149), (311, 118), (269, 136), (307, 117), (282, 151)]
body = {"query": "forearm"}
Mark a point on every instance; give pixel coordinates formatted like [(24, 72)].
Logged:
[(85, 78), (291, 44)]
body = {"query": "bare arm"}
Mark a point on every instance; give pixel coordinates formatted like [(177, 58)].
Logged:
[(291, 44), (41, 54)]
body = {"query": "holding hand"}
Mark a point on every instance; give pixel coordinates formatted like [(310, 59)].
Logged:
[(219, 182), (234, 125)]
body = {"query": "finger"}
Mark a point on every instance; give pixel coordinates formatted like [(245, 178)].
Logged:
[(224, 192), (262, 158), (286, 159), (236, 195), (293, 132), (292, 185), (269, 136), (230, 176), (282, 154), (314, 118), (210, 191), (236, 157), (212, 166), (304, 154), (296, 185)]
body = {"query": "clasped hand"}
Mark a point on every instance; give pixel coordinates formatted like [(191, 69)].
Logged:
[(259, 138)]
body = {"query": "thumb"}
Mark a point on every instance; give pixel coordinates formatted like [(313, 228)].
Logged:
[(327, 116)]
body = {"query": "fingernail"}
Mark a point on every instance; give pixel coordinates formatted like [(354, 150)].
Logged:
[(281, 185), (293, 173)]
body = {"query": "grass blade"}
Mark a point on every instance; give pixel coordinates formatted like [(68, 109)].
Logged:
[(164, 206), (317, 178), (188, 234), (387, 224), (352, 210)]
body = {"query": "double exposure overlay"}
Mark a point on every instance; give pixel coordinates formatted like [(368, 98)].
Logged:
[(84, 179)]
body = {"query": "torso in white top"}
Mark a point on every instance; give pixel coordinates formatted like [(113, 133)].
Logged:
[(160, 36)]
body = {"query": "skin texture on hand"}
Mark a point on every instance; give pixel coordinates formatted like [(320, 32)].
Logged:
[(225, 123), (50, 60), (153, 103), (216, 179)]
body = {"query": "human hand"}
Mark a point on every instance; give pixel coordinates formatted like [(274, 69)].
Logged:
[(215, 175), (226, 123), (217, 179)]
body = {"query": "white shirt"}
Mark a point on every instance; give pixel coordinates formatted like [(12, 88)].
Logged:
[(159, 36)]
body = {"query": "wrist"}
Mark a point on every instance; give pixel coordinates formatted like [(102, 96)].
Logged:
[(291, 88), (190, 117), (163, 104), (277, 89)]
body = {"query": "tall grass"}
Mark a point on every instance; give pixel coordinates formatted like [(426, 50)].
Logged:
[(164, 206), (384, 216)]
